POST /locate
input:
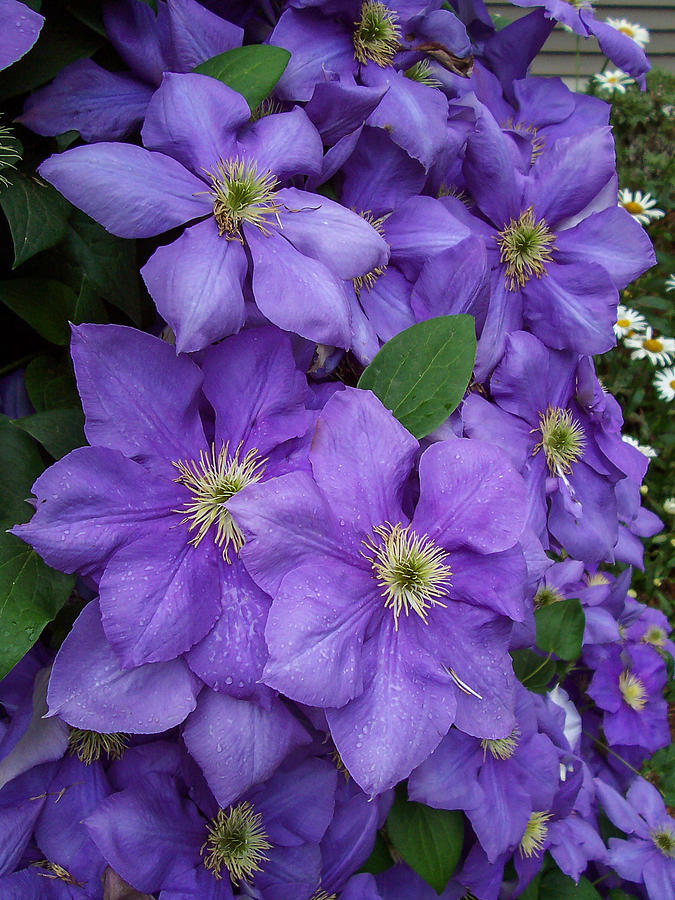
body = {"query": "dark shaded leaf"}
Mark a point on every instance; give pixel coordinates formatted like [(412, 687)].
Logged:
[(37, 215), (50, 383), (46, 305), (556, 886), (560, 628), (533, 671), (58, 430), (253, 70)]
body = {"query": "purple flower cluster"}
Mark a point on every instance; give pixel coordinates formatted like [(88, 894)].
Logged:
[(295, 604)]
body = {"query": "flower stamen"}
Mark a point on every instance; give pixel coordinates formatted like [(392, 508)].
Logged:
[(212, 480), (664, 839), (536, 830), (501, 748), (240, 195), (632, 690), (237, 841), (525, 246), (410, 570), (376, 34), (90, 746), (562, 439)]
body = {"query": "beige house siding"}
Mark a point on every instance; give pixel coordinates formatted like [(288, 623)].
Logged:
[(558, 56)]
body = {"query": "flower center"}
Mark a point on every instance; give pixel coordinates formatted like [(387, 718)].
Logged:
[(90, 746), (652, 345), (240, 194), (632, 690), (623, 323), (376, 34), (665, 840), (501, 748), (422, 73), (546, 596), (212, 481), (525, 246), (237, 841), (322, 895), (597, 579), (536, 830), (654, 635), (410, 570), (671, 384), (562, 438), (56, 872), (632, 207)]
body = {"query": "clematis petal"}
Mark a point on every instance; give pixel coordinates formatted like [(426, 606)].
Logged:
[(127, 189), (140, 36), (448, 779), (287, 144), (90, 690), (196, 283), (20, 28), (470, 496), (197, 34)]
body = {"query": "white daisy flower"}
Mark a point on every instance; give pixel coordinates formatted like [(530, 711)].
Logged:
[(639, 205), (669, 505), (628, 322), (658, 351), (670, 283), (664, 382), (613, 82), (645, 449), (639, 34)]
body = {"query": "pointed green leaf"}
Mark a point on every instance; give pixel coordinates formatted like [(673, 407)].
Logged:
[(58, 430), (46, 305), (422, 373), (50, 383), (37, 215), (429, 840), (253, 70), (556, 886), (533, 671), (560, 628)]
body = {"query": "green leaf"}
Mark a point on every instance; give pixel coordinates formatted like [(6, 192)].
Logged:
[(31, 594), (380, 859), (253, 70), (429, 840), (58, 430), (20, 465), (108, 262), (556, 886), (88, 306), (560, 628), (422, 373), (533, 671), (62, 41), (660, 770), (50, 383), (37, 215), (45, 305)]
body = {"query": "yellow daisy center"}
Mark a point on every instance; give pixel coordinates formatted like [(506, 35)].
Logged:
[(652, 345), (633, 207), (623, 323)]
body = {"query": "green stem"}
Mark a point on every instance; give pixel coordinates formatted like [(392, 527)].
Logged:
[(609, 750)]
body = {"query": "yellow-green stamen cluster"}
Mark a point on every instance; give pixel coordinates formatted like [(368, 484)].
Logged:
[(56, 872), (376, 34), (525, 246), (422, 73), (596, 580), (322, 895), (547, 596), (536, 830), (537, 143), (562, 439), (240, 194), (90, 746), (654, 635), (664, 839), (368, 280), (632, 690), (501, 748), (236, 841), (410, 570), (212, 480)]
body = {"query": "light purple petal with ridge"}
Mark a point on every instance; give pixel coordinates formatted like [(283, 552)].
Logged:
[(127, 189), (620, 810), (101, 105), (197, 34), (231, 657), (643, 796), (138, 396), (237, 744), (573, 307), (387, 303), (296, 292), (160, 595), (613, 240), (140, 36), (453, 282), (570, 174), (315, 632), (288, 523), (418, 230), (490, 170), (408, 705), (285, 143), (89, 689), (342, 240), (504, 315), (361, 457), (20, 27), (148, 833), (448, 778), (338, 108), (488, 422), (194, 119), (496, 581), (470, 496), (91, 502), (586, 527), (256, 390), (196, 283)]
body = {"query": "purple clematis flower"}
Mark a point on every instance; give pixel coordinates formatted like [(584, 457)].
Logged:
[(265, 845), (107, 106), (20, 28), (203, 159), (141, 509), (648, 855), (397, 623), (578, 15)]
